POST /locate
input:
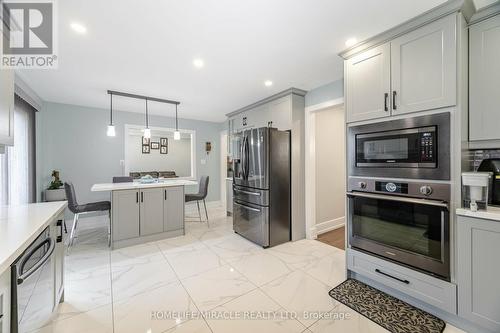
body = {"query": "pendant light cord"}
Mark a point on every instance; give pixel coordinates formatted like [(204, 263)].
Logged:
[(176, 119), (147, 118), (111, 111)]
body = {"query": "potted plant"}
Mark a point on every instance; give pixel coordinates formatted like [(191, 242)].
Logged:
[(55, 191)]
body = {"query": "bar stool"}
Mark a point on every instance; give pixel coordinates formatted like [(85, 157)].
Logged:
[(200, 196)]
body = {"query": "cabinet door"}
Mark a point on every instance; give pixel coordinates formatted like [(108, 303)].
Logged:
[(125, 214), (280, 113), (5, 301), (423, 68), (368, 84), (173, 209), (484, 80), (6, 107), (478, 271), (151, 211)]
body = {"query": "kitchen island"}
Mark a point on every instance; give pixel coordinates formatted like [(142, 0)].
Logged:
[(148, 212)]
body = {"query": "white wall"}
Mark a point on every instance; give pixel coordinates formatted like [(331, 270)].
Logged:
[(330, 169), (178, 158)]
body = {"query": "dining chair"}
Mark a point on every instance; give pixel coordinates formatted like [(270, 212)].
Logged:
[(77, 210), (200, 196)]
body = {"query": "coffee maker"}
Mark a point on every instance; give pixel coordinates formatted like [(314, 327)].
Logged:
[(492, 165)]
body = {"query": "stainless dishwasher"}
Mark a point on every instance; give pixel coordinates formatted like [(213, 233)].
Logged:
[(33, 285)]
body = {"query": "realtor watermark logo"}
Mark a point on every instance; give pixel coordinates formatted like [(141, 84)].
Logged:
[(29, 34)]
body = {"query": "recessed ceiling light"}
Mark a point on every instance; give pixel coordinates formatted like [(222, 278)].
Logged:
[(78, 27), (351, 42), (268, 83), (198, 63)]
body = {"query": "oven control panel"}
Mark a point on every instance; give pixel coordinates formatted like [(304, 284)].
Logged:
[(391, 187)]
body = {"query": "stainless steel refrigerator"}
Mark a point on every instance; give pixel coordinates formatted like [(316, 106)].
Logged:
[(261, 185)]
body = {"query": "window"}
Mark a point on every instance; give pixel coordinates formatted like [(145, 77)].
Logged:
[(17, 164)]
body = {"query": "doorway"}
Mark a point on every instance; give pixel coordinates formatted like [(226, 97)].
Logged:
[(326, 170)]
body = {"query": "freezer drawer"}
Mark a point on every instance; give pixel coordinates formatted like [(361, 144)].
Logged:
[(251, 195), (252, 222)]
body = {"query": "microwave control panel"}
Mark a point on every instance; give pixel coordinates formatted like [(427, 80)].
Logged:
[(427, 146)]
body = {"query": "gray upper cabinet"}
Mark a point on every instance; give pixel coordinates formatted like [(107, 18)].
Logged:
[(6, 107), (173, 217), (423, 67), (368, 84), (125, 214), (484, 80), (478, 271), (151, 211)]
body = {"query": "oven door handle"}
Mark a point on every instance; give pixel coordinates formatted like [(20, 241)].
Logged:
[(40, 262), (399, 199)]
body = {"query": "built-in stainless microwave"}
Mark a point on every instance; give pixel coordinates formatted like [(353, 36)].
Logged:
[(416, 147)]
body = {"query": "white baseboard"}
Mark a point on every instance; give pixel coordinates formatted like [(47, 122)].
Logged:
[(330, 225)]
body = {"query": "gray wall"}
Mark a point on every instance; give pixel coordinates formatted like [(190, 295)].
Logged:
[(73, 139), (329, 91)]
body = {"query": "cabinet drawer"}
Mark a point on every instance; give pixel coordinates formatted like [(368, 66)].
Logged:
[(432, 291)]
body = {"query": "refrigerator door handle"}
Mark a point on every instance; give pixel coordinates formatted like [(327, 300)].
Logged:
[(247, 207), (247, 158), (247, 192)]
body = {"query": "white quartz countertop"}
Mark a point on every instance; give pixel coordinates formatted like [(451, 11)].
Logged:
[(20, 225), (137, 185), (493, 213)]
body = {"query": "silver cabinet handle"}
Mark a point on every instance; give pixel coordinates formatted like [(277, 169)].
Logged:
[(247, 207), (247, 192), (400, 199)]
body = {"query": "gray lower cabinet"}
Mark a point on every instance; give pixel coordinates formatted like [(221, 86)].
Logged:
[(173, 208), (151, 211), (479, 271), (125, 214), (5, 301)]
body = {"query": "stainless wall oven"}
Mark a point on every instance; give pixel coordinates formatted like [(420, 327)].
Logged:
[(405, 222), (415, 148)]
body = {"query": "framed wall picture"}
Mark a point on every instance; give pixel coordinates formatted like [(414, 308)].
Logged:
[(155, 145), (163, 142), (145, 149), (163, 150), (145, 141)]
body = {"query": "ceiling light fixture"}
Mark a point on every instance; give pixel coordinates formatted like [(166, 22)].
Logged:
[(111, 128), (351, 41), (80, 28), (177, 134), (268, 83), (198, 63), (147, 131)]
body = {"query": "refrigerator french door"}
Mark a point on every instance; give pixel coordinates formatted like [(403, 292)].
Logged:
[(261, 186)]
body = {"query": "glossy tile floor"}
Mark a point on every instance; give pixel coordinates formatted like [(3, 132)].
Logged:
[(210, 280)]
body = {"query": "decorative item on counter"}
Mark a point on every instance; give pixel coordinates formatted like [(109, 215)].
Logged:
[(155, 145), (147, 179), (475, 190), (55, 190)]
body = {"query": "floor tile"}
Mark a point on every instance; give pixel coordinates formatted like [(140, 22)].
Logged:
[(154, 311), (189, 263), (234, 247), (330, 270), (137, 278), (138, 254), (261, 268), (303, 294), (84, 291), (98, 320), (192, 326), (216, 287), (180, 244), (252, 312)]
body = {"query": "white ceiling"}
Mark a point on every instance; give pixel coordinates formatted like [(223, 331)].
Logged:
[(147, 47)]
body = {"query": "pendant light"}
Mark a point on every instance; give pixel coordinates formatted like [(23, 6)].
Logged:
[(147, 131), (177, 134), (111, 128)]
